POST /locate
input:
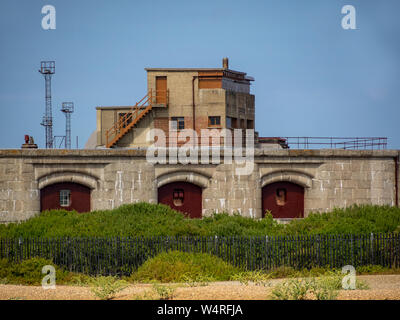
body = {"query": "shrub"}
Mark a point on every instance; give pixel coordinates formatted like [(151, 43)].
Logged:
[(164, 292), (145, 220), (259, 278), (176, 266), (105, 288), (29, 272), (292, 289)]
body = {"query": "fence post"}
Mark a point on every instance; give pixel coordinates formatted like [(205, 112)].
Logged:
[(266, 255), (372, 248)]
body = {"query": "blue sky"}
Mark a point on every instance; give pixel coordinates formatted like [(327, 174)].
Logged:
[(313, 78)]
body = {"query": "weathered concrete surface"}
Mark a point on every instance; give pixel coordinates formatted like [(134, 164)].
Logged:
[(331, 178)]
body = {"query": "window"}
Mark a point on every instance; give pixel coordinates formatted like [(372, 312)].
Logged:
[(250, 124), (122, 117), (214, 121), (178, 198), (228, 122), (65, 198), (242, 124), (177, 123), (280, 197), (234, 123)]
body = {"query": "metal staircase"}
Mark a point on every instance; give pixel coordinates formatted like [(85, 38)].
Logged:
[(126, 122)]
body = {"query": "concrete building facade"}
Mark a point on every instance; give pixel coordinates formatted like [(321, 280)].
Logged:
[(181, 98), (329, 178)]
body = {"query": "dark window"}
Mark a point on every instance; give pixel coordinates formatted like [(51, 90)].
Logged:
[(178, 197), (214, 121), (65, 198), (234, 123), (280, 197), (177, 123), (250, 124), (228, 122), (125, 118)]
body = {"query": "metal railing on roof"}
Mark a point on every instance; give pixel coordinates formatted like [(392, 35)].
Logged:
[(350, 143)]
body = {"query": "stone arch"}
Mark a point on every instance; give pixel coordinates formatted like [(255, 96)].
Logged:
[(68, 176), (297, 177), (193, 177)]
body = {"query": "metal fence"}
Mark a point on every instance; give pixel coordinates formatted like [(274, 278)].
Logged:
[(122, 256), (354, 143)]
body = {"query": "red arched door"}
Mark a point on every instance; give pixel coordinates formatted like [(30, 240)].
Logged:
[(68, 196), (283, 199), (182, 196)]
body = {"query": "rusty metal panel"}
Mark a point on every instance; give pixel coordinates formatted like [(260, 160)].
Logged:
[(283, 199), (210, 74), (79, 197), (182, 196), (161, 90), (210, 83)]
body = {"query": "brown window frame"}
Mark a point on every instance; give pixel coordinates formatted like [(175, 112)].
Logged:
[(180, 123), (210, 124)]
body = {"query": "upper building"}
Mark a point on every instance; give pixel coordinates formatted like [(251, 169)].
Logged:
[(180, 98)]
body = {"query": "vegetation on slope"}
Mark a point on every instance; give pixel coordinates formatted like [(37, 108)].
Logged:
[(150, 220)]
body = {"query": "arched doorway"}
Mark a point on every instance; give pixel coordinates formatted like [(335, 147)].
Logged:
[(283, 199), (182, 196), (65, 195)]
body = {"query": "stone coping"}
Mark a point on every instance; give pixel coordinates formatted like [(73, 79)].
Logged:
[(309, 153)]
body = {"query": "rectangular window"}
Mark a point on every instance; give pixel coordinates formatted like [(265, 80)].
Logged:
[(250, 124), (123, 117), (177, 123), (214, 121), (228, 122), (65, 198), (234, 123)]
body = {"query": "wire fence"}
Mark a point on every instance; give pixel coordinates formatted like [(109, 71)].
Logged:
[(122, 256)]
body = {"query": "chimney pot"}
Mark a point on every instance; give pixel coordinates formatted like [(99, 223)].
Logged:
[(225, 63)]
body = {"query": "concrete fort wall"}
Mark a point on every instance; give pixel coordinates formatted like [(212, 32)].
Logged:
[(331, 178)]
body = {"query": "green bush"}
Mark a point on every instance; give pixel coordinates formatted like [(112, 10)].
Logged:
[(29, 272), (105, 288), (149, 220), (363, 219), (176, 266)]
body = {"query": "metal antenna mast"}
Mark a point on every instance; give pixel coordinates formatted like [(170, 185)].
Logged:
[(68, 109), (47, 69)]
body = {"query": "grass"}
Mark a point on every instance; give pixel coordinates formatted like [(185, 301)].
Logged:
[(149, 220)]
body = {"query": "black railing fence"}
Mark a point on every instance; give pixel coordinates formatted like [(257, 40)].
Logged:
[(122, 256)]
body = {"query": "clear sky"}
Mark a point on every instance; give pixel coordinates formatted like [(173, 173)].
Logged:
[(312, 77)]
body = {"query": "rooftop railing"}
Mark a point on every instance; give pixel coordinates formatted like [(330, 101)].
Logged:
[(353, 143)]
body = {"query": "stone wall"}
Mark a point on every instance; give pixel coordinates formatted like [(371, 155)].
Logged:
[(331, 178)]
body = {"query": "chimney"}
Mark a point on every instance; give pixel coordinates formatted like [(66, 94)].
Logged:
[(225, 63)]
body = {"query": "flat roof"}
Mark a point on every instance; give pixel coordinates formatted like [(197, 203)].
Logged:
[(115, 107), (192, 70)]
